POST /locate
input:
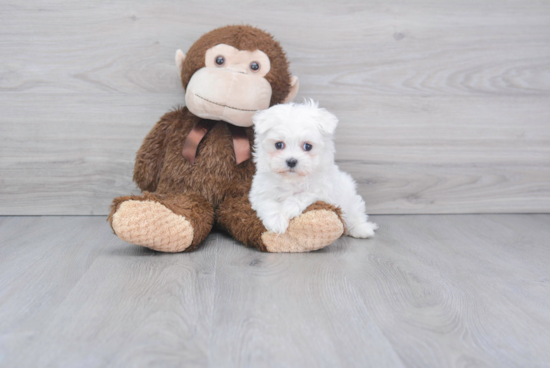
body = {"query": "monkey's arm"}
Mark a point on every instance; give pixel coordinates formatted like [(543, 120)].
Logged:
[(150, 156)]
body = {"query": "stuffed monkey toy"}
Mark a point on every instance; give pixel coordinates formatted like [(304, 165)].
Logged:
[(195, 167)]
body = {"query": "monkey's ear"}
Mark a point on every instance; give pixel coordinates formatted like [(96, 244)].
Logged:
[(294, 84), (180, 57)]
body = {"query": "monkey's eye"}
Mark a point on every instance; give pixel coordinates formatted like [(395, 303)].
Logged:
[(254, 66), (279, 145), (220, 60), (307, 147)]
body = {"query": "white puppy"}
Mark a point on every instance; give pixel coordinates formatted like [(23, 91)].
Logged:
[(294, 156)]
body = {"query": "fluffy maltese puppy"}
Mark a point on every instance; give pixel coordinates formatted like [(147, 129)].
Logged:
[(294, 156)]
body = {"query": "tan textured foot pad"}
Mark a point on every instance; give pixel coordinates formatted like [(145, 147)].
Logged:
[(310, 231), (151, 225)]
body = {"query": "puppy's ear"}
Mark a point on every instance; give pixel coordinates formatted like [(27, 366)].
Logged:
[(263, 121), (326, 121)]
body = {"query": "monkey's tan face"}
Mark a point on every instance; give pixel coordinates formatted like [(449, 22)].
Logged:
[(231, 87)]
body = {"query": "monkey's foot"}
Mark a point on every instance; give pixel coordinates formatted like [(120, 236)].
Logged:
[(152, 225), (310, 231)]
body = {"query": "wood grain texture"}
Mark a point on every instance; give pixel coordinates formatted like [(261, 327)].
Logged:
[(427, 291), (444, 107)]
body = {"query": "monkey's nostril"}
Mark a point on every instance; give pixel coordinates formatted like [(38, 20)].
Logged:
[(291, 162)]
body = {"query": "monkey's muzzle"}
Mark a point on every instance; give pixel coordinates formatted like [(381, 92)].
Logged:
[(231, 96)]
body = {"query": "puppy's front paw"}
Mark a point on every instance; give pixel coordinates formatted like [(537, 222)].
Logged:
[(276, 224), (293, 208), (363, 230)]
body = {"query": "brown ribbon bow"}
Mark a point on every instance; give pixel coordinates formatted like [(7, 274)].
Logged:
[(241, 145)]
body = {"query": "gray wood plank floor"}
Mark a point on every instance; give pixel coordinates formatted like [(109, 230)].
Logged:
[(427, 291)]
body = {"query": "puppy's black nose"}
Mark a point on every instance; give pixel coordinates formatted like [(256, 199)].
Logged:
[(291, 162)]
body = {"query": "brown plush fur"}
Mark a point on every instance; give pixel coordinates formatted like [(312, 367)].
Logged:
[(214, 189)]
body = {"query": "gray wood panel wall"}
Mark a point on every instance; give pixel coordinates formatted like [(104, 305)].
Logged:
[(444, 106)]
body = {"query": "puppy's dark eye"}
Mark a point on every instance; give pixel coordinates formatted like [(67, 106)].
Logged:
[(254, 66), (220, 60), (279, 145), (307, 147)]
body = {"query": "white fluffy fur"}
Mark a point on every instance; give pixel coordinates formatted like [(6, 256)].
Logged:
[(280, 193)]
